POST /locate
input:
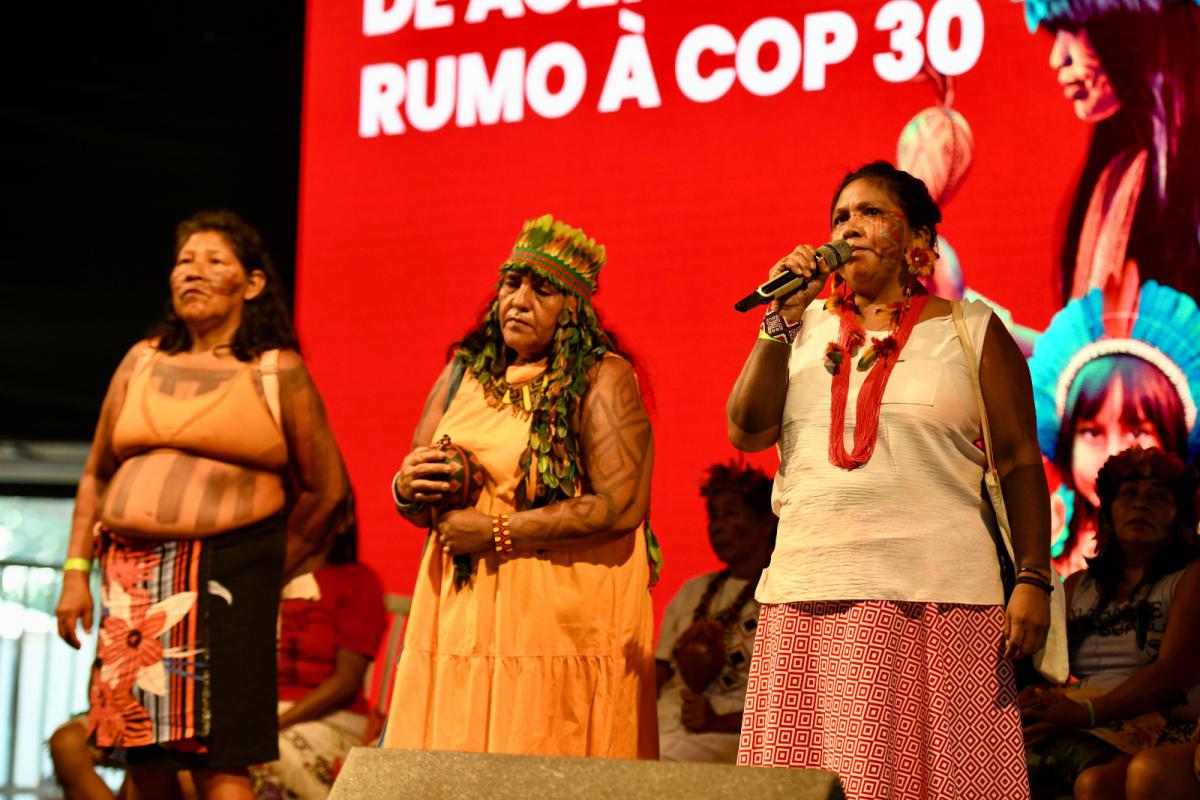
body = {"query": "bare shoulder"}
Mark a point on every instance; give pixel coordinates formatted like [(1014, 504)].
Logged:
[(613, 374), (999, 340), (1191, 577), (293, 374), (133, 355), (290, 360), (616, 367), (1185, 605), (140, 348), (936, 307)]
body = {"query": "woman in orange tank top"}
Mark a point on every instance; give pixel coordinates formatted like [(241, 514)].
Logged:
[(212, 474)]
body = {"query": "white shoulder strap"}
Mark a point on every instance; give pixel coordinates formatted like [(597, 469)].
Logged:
[(964, 338), (268, 367)]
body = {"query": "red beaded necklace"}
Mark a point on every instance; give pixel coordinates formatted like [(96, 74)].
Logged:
[(879, 357)]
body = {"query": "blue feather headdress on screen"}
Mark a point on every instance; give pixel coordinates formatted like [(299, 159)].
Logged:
[(1165, 334)]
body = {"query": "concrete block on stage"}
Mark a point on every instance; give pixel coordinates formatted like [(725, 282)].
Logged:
[(371, 773)]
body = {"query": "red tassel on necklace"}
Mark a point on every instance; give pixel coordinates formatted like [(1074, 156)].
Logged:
[(870, 396)]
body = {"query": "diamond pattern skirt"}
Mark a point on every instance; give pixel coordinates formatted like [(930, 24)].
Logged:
[(905, 701)]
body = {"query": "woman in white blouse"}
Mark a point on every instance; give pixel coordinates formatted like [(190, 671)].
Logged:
[(884, 647)]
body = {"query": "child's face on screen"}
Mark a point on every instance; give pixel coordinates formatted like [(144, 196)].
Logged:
[(1107, 433)]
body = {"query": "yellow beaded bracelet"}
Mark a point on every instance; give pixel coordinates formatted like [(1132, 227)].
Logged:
[(501, 535), (79, 564)]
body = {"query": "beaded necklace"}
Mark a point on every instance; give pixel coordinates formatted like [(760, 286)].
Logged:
[(730, 615), (879, 357), (520, 397)]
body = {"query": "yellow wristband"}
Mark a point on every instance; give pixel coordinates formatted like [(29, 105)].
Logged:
[(80, 564)]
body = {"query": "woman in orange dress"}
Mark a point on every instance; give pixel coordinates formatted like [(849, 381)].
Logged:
[(213, 472), (531, 628)]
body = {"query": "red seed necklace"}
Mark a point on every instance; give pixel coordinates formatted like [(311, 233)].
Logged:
[(879, 357)]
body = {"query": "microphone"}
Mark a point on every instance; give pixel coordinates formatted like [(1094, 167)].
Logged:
[(833, 255)]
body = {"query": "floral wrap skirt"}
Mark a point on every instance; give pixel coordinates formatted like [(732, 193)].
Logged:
[(184, 675)]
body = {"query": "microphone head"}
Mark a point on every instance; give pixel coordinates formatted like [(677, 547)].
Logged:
[(835, 253)]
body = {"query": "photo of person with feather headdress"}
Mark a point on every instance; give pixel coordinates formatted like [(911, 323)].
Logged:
[(1129, 70), (1103, 382)]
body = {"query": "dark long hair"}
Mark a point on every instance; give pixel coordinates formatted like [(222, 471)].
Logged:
[(1107, 567), (266, 323), (343, 549), (1150, 51)]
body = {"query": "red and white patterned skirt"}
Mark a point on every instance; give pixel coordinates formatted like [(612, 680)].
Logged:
[(905, 701)]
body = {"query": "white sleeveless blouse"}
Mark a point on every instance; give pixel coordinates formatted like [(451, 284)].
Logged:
[(911, 524)]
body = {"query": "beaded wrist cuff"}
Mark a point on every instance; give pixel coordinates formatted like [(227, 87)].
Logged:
[(774, 326), (501, 536)]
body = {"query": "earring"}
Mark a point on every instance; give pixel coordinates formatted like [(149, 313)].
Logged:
[(920, 260)]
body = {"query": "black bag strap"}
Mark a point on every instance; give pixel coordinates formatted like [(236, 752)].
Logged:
[(458, 368)]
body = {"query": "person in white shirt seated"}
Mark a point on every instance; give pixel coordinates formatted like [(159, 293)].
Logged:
[(707, 636)]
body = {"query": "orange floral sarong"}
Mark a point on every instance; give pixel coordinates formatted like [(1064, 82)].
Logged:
[(148, 682)]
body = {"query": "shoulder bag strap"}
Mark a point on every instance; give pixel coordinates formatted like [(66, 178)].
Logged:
[(991, 477), (964, 338), (458, 368)]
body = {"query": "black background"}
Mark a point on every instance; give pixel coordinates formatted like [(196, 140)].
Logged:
[(118, 120)]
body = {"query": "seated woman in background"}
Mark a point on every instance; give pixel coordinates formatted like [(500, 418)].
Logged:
[(331, 623), (1132, 635), (709, 624)]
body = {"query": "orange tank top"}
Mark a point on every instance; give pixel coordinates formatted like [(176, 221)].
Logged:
[(231, 424)]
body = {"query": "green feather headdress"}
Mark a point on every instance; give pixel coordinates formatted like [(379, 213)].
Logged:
[(571, 261), (561, 254)]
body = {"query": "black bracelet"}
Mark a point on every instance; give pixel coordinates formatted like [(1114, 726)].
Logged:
[(1045, 586), (413, 509), (1044, 574)]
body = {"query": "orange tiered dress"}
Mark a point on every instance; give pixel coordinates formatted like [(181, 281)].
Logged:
[(547, 653)]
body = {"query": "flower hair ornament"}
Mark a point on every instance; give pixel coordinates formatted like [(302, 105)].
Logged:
[(920, 260), (1165, 333)]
